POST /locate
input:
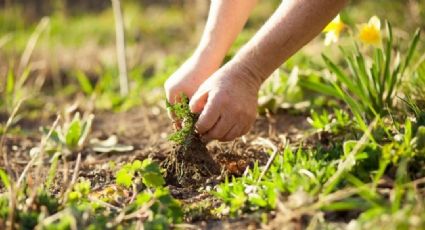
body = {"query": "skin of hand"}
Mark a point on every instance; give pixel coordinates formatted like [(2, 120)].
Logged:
[(225, 21), (188, 78), (227, 103), (227, 100)]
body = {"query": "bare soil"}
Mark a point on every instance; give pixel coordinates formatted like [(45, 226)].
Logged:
[(147, 128)]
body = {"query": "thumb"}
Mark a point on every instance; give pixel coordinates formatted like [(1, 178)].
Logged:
[(198, 101)]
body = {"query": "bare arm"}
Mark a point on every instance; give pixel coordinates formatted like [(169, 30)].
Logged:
[(228, 99), (225, 21), (294, 24)]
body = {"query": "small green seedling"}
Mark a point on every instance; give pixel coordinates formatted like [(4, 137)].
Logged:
[(72, 136), (188, 119), (144, 171), (80, 191), (335, 123)]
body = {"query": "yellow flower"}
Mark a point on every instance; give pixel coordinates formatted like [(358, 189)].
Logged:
[(333, 30), (370, 33)]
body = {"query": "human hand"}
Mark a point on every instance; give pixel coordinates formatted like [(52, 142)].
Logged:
[(187, 79), (227, 103)]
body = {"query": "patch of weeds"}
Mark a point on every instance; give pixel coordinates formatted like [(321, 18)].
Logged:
[(280, 91), (149, 204), (405, 209), (105, 94), (189, 164), (336, 123), (290, 172), (148, 174)]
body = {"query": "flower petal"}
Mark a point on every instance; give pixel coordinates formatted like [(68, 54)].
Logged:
[(375, 21)]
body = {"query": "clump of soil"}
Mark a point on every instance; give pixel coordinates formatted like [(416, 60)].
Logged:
[(190, 164)]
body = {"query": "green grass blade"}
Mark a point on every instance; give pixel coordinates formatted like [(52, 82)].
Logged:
[(341, 75), (319, 87), (394, 80), (412, 49), (355, 107), (4, 179), (52, 171), (368, 84), (84, 82), (10, 83), (387, 57), (355, 71)]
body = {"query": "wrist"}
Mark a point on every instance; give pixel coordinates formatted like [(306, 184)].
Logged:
[(252, 72), (210, 55), (243, 73)]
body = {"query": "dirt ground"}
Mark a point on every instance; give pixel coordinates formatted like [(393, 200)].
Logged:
[(146, 128)]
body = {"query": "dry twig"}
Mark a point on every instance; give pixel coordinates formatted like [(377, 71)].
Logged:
[(120, 44)]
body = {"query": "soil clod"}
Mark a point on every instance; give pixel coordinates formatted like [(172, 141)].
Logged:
[(190, 164)]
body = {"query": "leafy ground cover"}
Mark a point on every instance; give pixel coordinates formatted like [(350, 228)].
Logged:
[(339, 144)]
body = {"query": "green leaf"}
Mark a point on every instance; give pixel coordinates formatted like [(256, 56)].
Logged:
[(152, 179), (124, 178), (85, 130), (151, 173), (388, 54), (255, 199), (52, 171), (341, 76), (348, 204), (319, 87), (73, 134), (412, 49), (23, 78), (10, 84), (84, 82), (149, 166), (4, 178), (143, 198), (420, 138), (137, 165)]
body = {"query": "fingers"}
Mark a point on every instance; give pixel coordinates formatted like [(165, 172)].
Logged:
[(208, 109), (208, 118), (198, 101), (220, 129), (233, 133)]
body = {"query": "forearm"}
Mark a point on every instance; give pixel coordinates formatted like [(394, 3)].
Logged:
[(293, 24), (226, 19)]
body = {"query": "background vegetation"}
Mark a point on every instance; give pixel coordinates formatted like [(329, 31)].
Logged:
[(357, 164)]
